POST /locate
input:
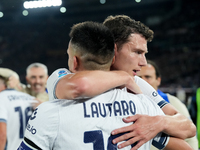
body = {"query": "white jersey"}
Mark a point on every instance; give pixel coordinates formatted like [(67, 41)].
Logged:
[(87, 125), (15, 110), (146, 88), (149, 91)]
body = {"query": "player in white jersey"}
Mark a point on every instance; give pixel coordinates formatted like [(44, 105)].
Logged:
[(131, 39), (81, 124), (61, 125), (15, 110)]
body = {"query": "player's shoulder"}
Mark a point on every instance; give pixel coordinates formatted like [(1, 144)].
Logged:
[(172, 97), (60, 72), (57, 74), (53, 80), (175, 101), (46, 112), (49, 105), (12, 92)]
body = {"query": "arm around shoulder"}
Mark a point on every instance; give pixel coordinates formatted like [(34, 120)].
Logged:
[(92, 83)]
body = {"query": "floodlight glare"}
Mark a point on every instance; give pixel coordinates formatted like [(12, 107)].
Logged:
[(102, 1), (63, 9), (25, 13), (138, 1), (42, 3), (1, 14)]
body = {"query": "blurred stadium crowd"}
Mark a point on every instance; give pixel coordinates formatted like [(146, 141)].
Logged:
[(175, 47)]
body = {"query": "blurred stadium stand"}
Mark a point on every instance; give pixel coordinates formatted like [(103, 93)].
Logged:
[(42, 36)]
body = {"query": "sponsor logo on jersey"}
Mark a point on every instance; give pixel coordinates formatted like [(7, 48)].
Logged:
[(62, 73), (154, 93), (31, 129), (33, 116), (118, 108)]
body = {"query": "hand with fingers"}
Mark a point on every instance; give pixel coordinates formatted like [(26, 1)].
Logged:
[(142, 130)]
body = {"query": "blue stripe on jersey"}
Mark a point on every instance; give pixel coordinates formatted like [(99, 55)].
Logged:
[(162, 103), (23, 146), (3, 120), (163, 95), (162, 141)]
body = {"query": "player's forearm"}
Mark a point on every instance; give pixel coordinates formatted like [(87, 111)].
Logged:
[(179, 126), (175, 143), (2, 141), (2, 135), (90, 83)]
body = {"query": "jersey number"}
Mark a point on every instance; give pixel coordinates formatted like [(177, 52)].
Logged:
[(96, 137), (21, 119)]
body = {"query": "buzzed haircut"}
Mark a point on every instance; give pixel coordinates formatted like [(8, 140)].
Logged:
[(94, 43), (123, 26)]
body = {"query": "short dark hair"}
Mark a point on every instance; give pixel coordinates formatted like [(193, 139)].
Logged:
[(94, 42), (122, 26), (157, 70)]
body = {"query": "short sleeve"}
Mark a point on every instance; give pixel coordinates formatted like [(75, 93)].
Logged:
[(161, 140), (149, 91), (53, 80), (43, 125)]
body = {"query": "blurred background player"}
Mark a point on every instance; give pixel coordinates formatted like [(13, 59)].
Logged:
[(15, 109), (13, 78), (152, 75), (36, 77)]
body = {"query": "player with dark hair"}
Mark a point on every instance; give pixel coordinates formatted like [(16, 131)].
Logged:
[(81, 124), (131, 39)]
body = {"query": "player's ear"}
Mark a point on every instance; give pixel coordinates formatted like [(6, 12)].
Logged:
[(158, 81), (115, 47), (113, 60), (27, 79), (75, 64)]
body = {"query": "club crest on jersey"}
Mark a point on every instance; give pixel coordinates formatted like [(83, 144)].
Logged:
[(62, 73)]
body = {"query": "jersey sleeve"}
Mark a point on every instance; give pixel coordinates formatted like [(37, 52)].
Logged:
[(25, 146), (148, 90), (53, 80), (42, 128), (161, 140)]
